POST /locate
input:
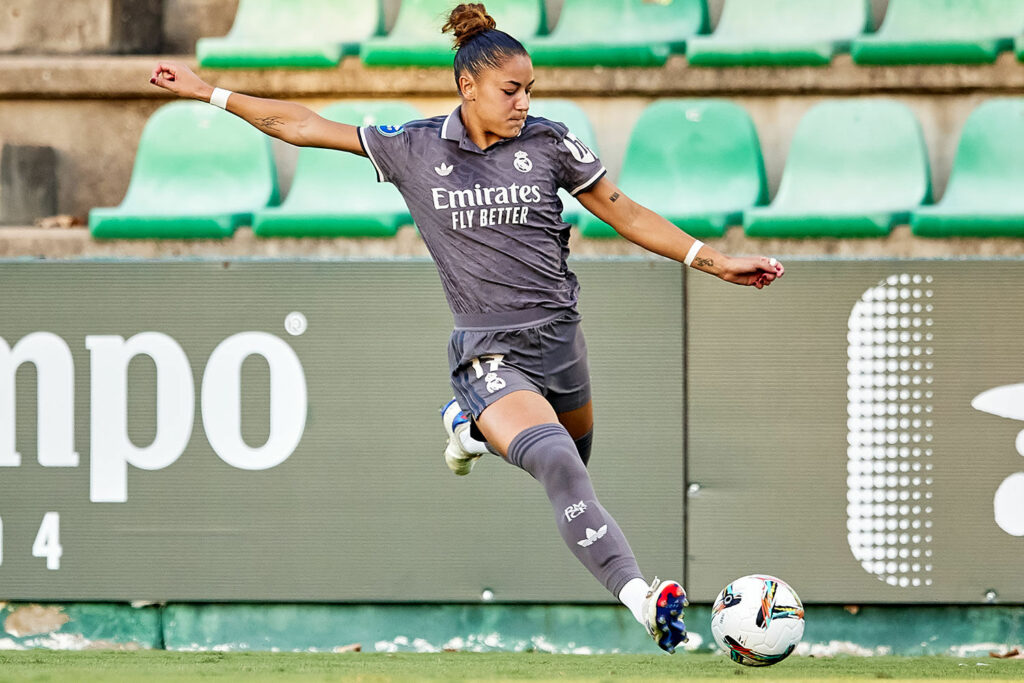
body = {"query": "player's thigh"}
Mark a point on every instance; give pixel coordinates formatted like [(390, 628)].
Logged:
[(578, 422), (503, 420)]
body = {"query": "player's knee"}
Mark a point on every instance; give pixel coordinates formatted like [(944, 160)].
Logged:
[(549, 454), (558, 466), (563, 466)]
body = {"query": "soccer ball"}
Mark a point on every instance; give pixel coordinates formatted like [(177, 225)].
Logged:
[(758, 620)]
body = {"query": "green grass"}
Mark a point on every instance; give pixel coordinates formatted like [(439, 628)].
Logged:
[(40, 665)]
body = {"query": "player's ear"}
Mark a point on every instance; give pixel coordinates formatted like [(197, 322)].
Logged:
[(467, 85)]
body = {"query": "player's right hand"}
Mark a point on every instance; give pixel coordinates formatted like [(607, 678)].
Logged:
[(180, 80), (752, 271)]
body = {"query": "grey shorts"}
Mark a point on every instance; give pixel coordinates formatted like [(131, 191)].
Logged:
[(549, 359)]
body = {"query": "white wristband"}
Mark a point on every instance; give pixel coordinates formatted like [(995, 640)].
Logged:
[(219, 98), (692, 254)]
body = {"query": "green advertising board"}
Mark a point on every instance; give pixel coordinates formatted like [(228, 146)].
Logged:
[(857, 431), (269, 431)]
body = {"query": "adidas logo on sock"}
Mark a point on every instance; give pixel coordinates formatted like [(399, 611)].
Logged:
[(593, 536)]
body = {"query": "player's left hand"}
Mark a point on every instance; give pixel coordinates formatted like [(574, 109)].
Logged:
[(752, 271)]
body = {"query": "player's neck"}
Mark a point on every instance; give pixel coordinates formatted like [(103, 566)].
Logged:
[(475, 129)]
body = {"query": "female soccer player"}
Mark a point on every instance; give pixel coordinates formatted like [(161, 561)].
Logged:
[(481, 184)]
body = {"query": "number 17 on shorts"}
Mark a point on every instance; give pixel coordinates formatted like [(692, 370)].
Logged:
[(490, 376)]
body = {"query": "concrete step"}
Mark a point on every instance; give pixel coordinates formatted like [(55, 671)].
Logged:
[(77, 243), (127, 77)]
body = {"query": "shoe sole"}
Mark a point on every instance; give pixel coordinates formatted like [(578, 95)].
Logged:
[(671, 631), (453, 458), (459, 465)]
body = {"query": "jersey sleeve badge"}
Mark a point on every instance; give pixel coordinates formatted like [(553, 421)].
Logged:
[(390, 131), (579, 151)]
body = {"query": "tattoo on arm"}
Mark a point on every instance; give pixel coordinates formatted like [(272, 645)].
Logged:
[(615, 195), (269, 122), (703, 262)]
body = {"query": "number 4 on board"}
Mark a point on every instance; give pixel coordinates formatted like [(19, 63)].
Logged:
[(47, 543)]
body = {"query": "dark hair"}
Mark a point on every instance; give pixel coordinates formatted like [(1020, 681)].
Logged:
[(478, 43)]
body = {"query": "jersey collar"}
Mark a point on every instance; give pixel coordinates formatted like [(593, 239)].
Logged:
[(453, 129)]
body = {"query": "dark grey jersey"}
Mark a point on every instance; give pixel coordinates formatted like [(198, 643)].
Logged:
[(491, 218)]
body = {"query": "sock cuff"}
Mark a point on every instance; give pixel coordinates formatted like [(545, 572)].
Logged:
[(620, 573), (526, 439)]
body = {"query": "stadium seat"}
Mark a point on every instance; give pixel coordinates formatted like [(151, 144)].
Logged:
[(984, 197), (695, 162), (569, 113), (336, 194), (855, 169), (416, 38), (780, 33), (199, 172), (619, 32), (942, 32), (292, 33)]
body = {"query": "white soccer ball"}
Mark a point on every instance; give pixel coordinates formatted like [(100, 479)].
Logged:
[(758, 620)]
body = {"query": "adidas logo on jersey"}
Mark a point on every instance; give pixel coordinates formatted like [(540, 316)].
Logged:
[(443, 170)]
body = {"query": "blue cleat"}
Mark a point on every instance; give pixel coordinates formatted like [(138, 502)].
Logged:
[(663, 614)]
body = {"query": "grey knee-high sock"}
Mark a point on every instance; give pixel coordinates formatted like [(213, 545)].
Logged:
[(548, 453), (583, 445)]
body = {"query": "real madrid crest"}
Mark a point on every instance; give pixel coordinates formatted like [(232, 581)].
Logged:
[(522, 162)]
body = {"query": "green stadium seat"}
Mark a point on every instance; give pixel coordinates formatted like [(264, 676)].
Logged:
[(780, 33), (569, 113), (984, 197), (336, 194), (416, 38), (855, 169), (942, 32), (695, 162), (619, 32), (199, 172), (292, 33)]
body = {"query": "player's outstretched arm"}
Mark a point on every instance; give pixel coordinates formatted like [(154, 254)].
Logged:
[(287, 121), (642, 226)]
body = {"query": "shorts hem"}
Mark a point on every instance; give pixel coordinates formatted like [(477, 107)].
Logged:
[(476, 410), (566, 403)]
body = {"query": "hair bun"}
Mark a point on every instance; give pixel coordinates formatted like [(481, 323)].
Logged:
[(467, 21)]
